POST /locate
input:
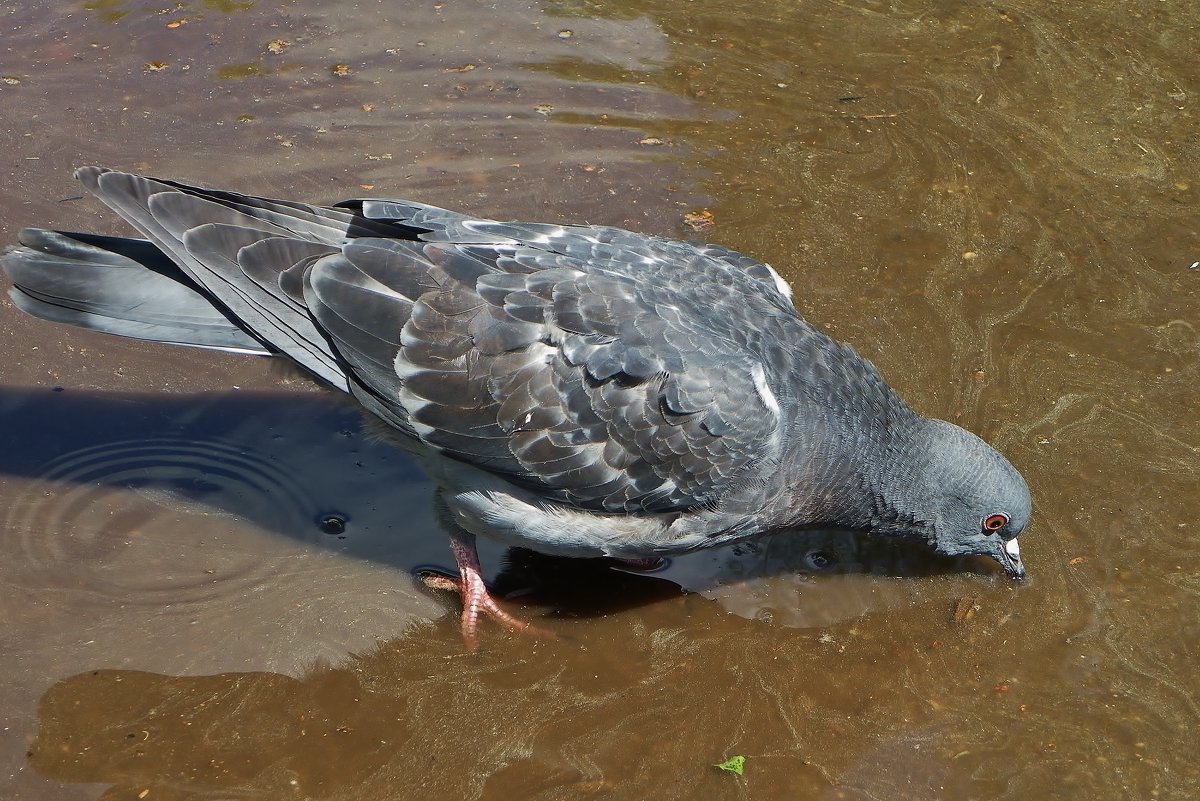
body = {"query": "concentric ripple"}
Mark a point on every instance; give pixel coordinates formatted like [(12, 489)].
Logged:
[(137, 518)]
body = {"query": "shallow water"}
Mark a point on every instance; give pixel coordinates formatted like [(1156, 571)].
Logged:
[(207, 589)]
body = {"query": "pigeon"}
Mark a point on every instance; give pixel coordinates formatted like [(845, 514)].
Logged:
[(576, 390)]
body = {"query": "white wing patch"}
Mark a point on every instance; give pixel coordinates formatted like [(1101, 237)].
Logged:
[(784, 287), (764, 391)]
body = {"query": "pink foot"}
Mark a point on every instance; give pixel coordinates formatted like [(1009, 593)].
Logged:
[(475, 596)]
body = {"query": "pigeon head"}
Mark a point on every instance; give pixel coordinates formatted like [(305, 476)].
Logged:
[(972, 500)]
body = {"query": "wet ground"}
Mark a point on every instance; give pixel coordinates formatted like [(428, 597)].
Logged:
[(205, 581)]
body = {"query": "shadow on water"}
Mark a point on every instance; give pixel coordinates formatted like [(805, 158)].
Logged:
[(301, 466)]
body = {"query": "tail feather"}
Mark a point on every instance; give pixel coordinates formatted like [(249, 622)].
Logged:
[(127, 287), (203, 232)]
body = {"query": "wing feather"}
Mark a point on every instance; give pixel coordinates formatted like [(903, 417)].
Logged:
[(601, 368)]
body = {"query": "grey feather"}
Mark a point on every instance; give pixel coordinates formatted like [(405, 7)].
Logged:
[(118, 286)]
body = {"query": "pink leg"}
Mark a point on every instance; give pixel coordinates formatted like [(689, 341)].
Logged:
[(475, 597)]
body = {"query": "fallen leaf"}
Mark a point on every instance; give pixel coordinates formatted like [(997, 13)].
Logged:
[(735, 764), (699, 220), (964, 609)]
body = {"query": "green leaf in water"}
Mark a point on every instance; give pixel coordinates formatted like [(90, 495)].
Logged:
[(735, 764)]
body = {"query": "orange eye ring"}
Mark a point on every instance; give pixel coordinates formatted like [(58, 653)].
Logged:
[(995, 522)]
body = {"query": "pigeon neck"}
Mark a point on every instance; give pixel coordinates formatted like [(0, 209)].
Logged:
[(903, 487), (882, 489)]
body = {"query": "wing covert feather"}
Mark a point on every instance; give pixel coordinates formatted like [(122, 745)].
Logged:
[(602, 368), (558, 373)]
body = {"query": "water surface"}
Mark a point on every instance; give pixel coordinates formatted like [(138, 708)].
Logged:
[(207, 586)]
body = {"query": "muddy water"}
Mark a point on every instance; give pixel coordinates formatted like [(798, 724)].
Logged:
[(205, 586)]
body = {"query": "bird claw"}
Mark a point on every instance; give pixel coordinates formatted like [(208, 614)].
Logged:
[(476, 600)]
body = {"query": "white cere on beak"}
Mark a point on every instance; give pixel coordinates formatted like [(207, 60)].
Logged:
[(1012, 549)]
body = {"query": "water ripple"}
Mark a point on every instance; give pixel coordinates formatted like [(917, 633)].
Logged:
[(163, 495)]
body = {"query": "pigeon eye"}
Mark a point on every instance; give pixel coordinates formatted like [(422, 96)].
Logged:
[(995, 522)]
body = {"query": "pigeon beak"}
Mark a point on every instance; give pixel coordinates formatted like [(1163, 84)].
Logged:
[(1010, 559)]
